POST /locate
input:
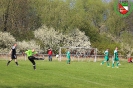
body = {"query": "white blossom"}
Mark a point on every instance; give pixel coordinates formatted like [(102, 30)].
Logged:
[(54, 39), (77, 39), (24, 45), (6, 41)]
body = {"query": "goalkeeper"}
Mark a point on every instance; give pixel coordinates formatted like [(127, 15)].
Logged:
[(30, 54)]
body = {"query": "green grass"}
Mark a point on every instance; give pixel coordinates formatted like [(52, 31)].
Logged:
[(60, 75)]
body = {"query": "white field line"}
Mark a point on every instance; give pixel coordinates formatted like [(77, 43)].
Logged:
[(82, 79)]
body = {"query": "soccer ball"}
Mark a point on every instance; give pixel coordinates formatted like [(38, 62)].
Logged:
[(57, 56)]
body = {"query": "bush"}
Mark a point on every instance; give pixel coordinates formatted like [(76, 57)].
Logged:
[(23, 46), (6, 41), (49, 37)]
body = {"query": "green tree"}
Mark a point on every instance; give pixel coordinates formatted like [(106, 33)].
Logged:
[(127, 43), (115, 24), (19, 19)]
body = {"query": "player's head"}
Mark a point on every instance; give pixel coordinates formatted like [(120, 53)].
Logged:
[(33, 50), (116, 48), (15, 44)]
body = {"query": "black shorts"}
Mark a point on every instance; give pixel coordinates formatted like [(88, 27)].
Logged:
[(13, 56), (31, 57)]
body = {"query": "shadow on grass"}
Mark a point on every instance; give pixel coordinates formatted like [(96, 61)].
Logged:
[(33, 86)]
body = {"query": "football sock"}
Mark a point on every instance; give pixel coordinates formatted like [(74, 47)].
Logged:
[(107, 63), (8, 63), (16, 63), (117, 63), (112, 64), (102, 62), (34, 67)]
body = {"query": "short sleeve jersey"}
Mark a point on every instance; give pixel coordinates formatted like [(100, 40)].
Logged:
[(116, 55), (106, 53), (13, 50)]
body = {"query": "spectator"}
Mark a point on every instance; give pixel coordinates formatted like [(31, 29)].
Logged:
[(50, 54), (129, 60)]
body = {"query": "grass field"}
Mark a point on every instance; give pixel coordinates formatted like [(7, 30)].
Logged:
[(60, 75)]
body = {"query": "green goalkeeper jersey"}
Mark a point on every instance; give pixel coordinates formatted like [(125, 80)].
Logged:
[(30, 53)]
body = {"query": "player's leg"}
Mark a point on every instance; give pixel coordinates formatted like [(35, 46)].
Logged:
[(117, 63), (33, 62), (113, 63), (31, 58), (35, 58), (67, 61), (108, 63), (15, 59), (39, 59), (103, 62), (9, 61), (12, 56), (50, 57)]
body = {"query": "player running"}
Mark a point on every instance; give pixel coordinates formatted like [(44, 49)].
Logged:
[(106, 58), (13, 55)]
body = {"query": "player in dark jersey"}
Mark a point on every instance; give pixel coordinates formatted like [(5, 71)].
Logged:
[(13, 55)]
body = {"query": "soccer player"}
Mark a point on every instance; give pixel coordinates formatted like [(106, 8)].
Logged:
[(13, 55), (106, 58), (30, 54), (68, 57), (116, 59)]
